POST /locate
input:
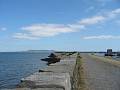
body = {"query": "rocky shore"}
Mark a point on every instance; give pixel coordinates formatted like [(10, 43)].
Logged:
[(52, 58)]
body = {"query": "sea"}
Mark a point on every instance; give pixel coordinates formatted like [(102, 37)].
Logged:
[(17, 65)]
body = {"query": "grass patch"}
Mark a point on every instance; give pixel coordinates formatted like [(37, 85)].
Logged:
[(78, 75)]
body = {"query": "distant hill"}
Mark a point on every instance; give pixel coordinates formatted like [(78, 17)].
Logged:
[(40, 51)]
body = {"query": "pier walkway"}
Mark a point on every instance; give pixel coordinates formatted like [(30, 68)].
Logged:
[(101, 74)]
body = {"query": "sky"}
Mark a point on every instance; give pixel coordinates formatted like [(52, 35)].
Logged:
[(72, 25)]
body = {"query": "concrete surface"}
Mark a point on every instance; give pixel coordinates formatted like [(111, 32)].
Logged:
[(54, 77), (101, 75), (48, 79)]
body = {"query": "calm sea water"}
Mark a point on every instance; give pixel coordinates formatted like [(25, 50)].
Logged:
[(16, 65)]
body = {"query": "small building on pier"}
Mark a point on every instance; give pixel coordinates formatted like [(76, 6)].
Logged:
[(109, 52)]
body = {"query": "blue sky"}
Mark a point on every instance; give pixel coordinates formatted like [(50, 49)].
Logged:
[(81, 25)]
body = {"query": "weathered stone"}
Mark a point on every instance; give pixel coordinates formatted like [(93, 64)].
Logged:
[(47, 80), (35, 89), (52, 58), (64, 66), (57, 76)]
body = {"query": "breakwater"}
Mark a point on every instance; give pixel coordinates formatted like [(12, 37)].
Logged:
[(56, 76)]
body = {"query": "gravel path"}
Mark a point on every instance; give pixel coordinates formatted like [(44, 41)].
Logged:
[(101, 75)]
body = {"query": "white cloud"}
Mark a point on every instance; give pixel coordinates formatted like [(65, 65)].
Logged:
[(43, 30), (3, 29), (100, 18), (36, 31), (24, 36), (116, 11), (113, 13), (76, 26), (92, 20), (102, 37)]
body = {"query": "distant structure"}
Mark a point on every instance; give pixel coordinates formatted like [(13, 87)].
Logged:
[(109, 52), (118, 53)]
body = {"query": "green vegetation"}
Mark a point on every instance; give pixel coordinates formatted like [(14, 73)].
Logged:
[(78, 75)]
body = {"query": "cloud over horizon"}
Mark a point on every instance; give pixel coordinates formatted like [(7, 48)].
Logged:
[(36, 31), (105, 37), (92, 20)]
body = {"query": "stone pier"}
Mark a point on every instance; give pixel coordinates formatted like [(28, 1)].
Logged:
[(56, 76)]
